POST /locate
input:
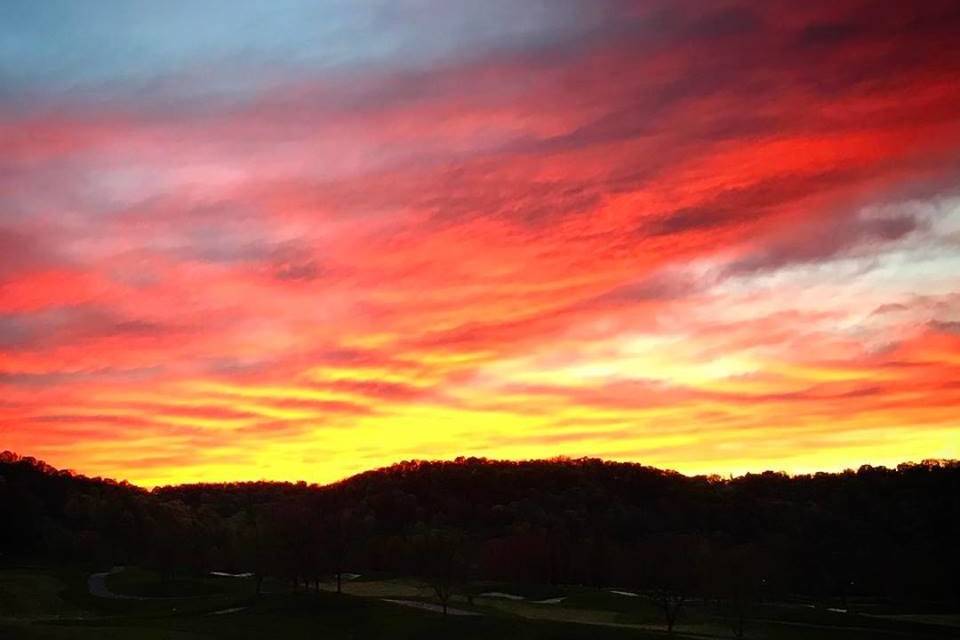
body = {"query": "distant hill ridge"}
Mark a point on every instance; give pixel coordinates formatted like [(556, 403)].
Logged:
[(890, 532), (412, 466)]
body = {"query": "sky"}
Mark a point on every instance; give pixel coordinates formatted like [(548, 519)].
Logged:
[(298, 240)]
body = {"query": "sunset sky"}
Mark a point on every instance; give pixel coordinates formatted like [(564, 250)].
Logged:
[(297, 240)]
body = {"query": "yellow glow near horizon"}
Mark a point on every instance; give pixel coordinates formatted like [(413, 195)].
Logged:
[(518, 246)]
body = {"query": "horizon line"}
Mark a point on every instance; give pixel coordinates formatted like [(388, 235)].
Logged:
[(12, 457)]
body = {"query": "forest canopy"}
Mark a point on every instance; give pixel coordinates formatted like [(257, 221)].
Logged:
[(874, 531)]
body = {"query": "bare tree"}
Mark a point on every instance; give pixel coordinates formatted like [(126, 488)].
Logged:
[(670, 566), (671, 603), (743, 570), (250, 540), (341, 531), (443, 560)]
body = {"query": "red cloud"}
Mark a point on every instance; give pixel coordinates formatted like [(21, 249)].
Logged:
[(389, 247)]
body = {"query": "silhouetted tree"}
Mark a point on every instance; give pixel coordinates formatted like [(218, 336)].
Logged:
[(443, 561)]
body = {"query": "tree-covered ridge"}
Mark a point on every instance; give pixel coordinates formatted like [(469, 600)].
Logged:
[(874, 531)]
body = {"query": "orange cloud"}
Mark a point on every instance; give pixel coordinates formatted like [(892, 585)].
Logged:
[(666, 239)]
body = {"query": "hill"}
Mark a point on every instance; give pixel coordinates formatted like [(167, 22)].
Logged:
[(878, 532)]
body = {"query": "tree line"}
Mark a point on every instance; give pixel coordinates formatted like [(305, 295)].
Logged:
[(875, 531)]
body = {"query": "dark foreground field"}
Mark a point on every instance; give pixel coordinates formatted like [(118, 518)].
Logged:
[(57, 603)]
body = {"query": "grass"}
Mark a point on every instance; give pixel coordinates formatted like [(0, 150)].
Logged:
[(945, 619), (53, 604), (26, 593), (144, 583), (302, 616), (345, 617), (528, 591)]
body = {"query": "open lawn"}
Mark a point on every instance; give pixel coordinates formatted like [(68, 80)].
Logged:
[(147, 584), (27, 593), (54, 603)]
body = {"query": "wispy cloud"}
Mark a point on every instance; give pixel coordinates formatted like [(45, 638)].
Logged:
[(717, 237)]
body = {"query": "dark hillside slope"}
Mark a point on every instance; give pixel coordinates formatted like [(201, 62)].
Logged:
[(888, 533)]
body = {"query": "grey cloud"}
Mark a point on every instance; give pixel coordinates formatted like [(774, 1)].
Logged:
[(945, 326), (53, 378), (827, 240), (65, 325)]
